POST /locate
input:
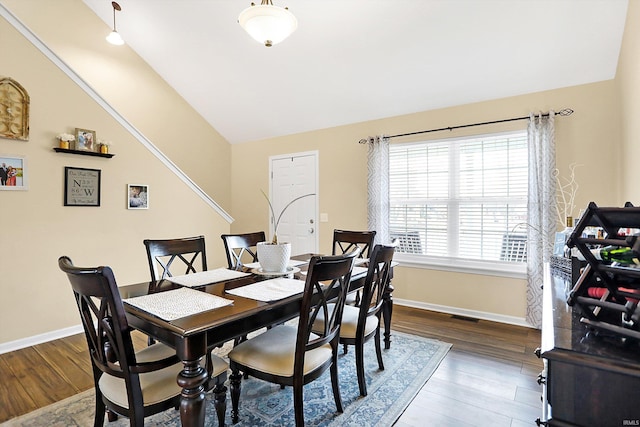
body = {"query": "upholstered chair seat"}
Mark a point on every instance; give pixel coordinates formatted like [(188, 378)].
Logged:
[(349, 325), (156, 386), (273, 352)]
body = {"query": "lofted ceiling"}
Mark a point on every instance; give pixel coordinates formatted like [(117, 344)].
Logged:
[(357, 60)]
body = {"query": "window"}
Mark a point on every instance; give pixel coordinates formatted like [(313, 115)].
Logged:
[(460, 199)]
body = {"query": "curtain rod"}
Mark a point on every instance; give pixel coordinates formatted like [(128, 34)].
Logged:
[(563, 112)]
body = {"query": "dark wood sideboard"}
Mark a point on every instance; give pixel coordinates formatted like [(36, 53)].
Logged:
[(590, 378)]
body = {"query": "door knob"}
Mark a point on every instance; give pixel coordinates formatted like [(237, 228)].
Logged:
[(311, 230)]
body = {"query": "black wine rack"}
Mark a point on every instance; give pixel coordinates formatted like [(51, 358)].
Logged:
[(607, 293)]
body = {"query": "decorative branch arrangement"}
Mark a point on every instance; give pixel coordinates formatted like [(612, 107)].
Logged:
[(566, 193), (276, 222)]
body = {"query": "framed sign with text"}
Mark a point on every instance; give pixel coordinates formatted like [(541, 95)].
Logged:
[(81, 187)]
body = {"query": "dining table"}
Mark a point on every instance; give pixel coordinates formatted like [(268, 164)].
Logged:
[(221, 310)]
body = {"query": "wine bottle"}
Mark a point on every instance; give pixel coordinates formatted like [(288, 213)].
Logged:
[(622, 255), (565, 235)]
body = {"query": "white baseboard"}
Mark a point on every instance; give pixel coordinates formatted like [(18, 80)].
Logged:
[(493, 317), (39, 339), (72, 330)]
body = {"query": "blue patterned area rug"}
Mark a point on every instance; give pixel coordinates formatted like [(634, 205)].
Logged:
[(409, 363)]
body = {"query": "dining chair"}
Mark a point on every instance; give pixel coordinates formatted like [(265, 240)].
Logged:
[(181, 253), (242, 248), (128, 383), (359, 324), (291, 355), (162, 253), (345, 241)]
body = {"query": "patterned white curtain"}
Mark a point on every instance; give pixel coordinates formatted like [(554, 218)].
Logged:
[(541, 209), (378, 187)]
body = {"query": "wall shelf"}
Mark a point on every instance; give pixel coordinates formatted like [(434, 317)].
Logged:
[(83, 153)]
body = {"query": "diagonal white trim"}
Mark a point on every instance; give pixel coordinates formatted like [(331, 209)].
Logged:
[(29, 35)]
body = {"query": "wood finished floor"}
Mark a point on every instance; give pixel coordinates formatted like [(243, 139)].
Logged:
[(488, 378)]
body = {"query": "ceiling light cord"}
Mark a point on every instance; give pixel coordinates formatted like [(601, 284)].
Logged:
[(114, 37)]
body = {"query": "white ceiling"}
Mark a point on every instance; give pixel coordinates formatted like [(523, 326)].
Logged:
[(357, 60)]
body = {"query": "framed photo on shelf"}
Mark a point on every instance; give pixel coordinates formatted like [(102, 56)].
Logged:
[(13, 173), (81, 187), (137, 196), (86, 140)]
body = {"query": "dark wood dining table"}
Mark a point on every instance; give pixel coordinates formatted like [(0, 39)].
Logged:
[(194, 335)]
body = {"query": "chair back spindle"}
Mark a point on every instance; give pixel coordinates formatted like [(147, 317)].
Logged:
[(242, 248)]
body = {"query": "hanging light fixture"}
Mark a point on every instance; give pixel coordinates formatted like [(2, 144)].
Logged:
[(114, 36), (267, 23)]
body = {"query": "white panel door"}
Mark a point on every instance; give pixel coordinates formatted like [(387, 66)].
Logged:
[(292, 176)]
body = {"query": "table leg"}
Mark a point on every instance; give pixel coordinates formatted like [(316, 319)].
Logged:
[(235, 380), (192, 379), (387, 310)]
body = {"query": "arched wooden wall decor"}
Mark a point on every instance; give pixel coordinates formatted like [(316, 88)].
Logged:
[(14, 110)]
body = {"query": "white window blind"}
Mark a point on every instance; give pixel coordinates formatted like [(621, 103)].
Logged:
[(460, 198)]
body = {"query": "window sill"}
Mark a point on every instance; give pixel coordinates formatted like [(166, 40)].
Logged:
[(485, 268)]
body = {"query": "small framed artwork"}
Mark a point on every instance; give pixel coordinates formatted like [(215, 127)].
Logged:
[(138, 196), (81, 187), (86, 140), (13, 173)]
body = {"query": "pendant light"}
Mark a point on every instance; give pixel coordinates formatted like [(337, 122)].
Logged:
[(114, 36), (268, 24)]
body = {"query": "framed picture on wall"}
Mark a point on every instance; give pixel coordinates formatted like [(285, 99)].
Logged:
[(13, 173), (81, 187), (137, 196), (86, 140)]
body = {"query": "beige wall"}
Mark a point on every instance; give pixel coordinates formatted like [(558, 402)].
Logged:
[(588, 137), (35, 227), (628, 80)]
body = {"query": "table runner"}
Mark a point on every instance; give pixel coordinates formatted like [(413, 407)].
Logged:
[(206, 277), (177, 303), (270, 290)]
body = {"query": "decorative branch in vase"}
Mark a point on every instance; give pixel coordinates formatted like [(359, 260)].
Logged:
[(276, 222), (274, 256), (566, 194)]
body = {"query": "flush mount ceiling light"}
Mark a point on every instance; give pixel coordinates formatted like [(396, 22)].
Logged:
[(267, 23), (114, 36)]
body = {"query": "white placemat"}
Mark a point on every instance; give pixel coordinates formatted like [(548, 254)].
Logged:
[(270, 290), (177, 303), (206, 277), (290, 263)]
